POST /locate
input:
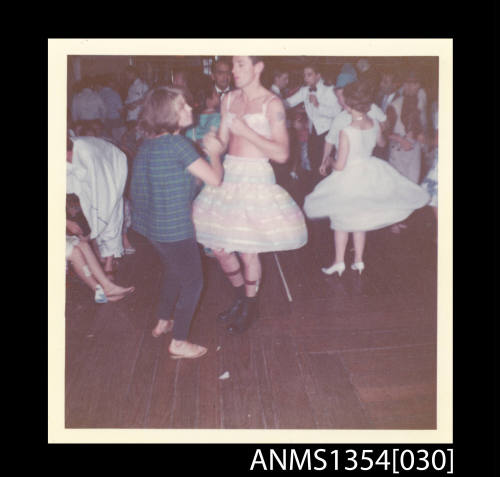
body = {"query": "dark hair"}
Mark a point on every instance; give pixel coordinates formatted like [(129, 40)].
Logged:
[(278, 71), (222, 59), (88, 127), (205, 90), (72, 200), (359, 95), (410, 115), (159, 113), (314, 65), (132, 70), (257, 59)]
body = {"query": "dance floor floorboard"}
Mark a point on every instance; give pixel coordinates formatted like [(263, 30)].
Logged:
[(357, 352)]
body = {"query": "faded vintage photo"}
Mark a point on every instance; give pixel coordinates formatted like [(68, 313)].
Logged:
[(252, 242)]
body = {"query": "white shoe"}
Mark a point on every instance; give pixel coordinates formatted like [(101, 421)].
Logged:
[(100, 296), (360, 266), (335, 268)]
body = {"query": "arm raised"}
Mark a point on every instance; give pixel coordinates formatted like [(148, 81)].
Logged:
[(296, 98), (223, 132), (205, 171), (210, 173)]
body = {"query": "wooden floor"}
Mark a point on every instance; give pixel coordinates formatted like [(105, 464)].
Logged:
[(326, 353)]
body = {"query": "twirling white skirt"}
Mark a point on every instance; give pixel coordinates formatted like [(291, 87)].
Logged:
[(368, 194)]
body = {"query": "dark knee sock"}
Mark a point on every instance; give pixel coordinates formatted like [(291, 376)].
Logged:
[(240, 291)]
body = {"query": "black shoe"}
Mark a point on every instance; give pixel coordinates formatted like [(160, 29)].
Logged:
[(248, 314), (230, 314)]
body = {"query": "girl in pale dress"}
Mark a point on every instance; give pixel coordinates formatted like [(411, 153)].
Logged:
[(86, 265), (363, 192)]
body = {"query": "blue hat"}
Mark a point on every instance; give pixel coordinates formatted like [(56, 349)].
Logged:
[(347, 75), (412, 75)]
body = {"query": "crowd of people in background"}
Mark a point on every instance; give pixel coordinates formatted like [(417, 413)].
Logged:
[(119, 122)]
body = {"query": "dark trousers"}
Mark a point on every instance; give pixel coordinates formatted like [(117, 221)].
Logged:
[(181, 284), (315, 149)]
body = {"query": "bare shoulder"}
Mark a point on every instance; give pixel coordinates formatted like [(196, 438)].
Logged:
[(344, 134), (273, 98), (276, 110)]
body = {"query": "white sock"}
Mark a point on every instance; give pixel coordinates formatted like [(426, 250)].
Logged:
[(100, 296)]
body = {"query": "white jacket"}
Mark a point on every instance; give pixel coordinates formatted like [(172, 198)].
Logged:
[(320, 117), (97, 175)]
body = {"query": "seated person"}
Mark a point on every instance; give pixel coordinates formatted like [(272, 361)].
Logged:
[(97, 173), (83, 261)]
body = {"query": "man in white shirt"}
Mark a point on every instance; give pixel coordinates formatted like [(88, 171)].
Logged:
[(342, 120), (87, 105), (221, 74), (322, 106), (136, 92), (280, 81)]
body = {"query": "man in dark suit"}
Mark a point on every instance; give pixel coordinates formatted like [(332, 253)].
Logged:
[(221, 74)]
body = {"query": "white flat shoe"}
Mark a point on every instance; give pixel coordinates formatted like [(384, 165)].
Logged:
[(335, 268), (360, 266)]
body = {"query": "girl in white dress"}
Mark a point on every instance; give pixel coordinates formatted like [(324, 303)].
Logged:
[(363, 192)]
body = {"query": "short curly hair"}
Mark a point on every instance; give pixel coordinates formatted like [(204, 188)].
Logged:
[(359, 95)]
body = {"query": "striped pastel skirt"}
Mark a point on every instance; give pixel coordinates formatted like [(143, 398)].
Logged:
[(249, 212)]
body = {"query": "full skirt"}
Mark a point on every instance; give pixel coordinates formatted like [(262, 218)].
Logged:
[(249, 212), (368, 194)]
